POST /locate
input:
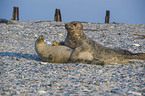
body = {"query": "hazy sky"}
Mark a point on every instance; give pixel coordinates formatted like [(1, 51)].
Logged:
[(121, 11)]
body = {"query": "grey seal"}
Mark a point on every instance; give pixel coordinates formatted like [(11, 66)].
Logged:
[(77, 40)]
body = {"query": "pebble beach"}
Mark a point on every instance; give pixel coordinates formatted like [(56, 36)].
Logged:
[(22, 73)]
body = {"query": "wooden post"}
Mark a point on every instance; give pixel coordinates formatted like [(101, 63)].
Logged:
[(107, 16), (15, 12), (57, 17)]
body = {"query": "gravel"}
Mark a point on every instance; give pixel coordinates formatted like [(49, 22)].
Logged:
[(23, 73)]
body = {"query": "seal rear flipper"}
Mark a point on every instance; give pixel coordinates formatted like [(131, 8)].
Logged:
[(140, 56)]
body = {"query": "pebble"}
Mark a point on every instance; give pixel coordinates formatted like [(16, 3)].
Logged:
[(36, 36), (48, 43), (44, 63), (134, 93), (136, 45), (42, 92)]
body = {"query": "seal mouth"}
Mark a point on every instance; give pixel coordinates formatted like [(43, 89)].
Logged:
[(68, 27)]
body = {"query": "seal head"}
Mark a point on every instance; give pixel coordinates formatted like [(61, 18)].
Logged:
[(75, 29)]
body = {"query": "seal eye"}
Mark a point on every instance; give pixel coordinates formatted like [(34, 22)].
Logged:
[(75, 24), (41, 38)]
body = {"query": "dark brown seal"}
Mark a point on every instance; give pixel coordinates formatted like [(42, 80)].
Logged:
[(77, 40)]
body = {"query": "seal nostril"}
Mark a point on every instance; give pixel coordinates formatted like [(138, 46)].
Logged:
[(75, 24)]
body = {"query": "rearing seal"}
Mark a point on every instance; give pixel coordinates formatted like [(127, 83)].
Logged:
[(77, 40)]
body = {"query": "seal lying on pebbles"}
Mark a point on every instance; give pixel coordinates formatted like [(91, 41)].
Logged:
[(61, 54), (77, 40)]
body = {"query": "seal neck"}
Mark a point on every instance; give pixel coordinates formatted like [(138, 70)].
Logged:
[(76, 35)]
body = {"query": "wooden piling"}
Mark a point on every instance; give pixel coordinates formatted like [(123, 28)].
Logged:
[(107, 18), (15, 13), (57, 16)]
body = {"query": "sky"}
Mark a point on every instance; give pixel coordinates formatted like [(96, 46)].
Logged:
[(93, 11)]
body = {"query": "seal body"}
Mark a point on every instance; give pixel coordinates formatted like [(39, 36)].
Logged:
[(77, 40), (61, 54)]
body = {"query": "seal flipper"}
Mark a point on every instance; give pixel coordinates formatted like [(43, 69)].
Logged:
[(83, 48), (55, 43), (140, 56), (61, 43), (50, 58)]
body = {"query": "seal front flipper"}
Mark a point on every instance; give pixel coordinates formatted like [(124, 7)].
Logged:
[(50, 58), (55, 43), (78, 50), (61, 43)]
